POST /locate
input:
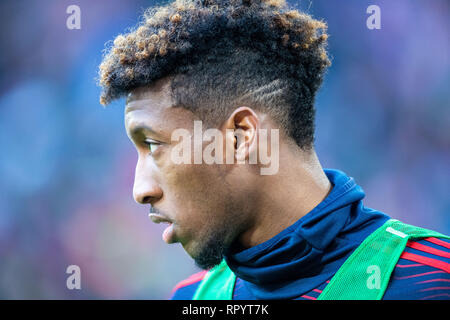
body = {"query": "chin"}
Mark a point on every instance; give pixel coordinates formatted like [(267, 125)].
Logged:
[(189, 247)]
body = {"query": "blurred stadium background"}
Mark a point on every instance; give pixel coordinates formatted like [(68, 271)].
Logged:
[(66, 165)]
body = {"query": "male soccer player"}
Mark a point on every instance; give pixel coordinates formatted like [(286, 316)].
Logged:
[(246, 68)]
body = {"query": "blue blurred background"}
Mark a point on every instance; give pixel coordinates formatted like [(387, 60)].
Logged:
[(67, 167)]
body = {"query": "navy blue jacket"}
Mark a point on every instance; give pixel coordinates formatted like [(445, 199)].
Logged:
[(299, 262)]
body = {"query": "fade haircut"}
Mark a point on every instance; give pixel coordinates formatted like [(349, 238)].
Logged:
[(222, 54)]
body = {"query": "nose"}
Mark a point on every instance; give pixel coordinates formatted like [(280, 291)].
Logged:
[(145, 190)]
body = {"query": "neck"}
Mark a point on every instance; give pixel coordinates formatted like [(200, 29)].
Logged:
[(298, 187)]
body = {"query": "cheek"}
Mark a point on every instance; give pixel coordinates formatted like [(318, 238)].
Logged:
[(194, 192)]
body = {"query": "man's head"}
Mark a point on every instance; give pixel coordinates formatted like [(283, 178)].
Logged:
[(240, 64)]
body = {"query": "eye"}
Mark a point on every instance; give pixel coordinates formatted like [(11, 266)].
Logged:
[(152, 145)]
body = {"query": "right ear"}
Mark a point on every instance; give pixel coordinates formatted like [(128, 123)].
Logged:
[(241, 134)]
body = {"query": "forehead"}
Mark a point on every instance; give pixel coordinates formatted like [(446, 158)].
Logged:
[(153, 105), (158, 94)]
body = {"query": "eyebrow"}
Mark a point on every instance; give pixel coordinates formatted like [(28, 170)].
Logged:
[(129, 108), (141, 128)]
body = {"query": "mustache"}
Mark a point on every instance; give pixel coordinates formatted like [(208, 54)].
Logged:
[(154, 210), (157, 211)]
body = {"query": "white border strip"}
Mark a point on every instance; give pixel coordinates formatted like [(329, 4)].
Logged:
[(396, 232)]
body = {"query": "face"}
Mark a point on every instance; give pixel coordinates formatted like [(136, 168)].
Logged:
[(200, 202)]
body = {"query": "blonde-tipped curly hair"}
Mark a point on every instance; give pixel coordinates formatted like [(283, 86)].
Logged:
[(224, 52)]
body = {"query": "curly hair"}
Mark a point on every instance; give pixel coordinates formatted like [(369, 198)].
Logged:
[(221, 53)]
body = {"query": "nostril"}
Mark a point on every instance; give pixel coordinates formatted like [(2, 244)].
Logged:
[(147, 199), (146, 194)]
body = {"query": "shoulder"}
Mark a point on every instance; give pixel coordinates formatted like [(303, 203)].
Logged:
[(185, 289), (422, 272)]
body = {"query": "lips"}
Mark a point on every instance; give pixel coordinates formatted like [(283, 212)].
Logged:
[(158, 218), (168, 234)]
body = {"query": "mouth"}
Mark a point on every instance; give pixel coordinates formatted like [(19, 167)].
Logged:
[(168, 234)]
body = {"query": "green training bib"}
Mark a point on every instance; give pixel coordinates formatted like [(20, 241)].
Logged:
[(363, 276)]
